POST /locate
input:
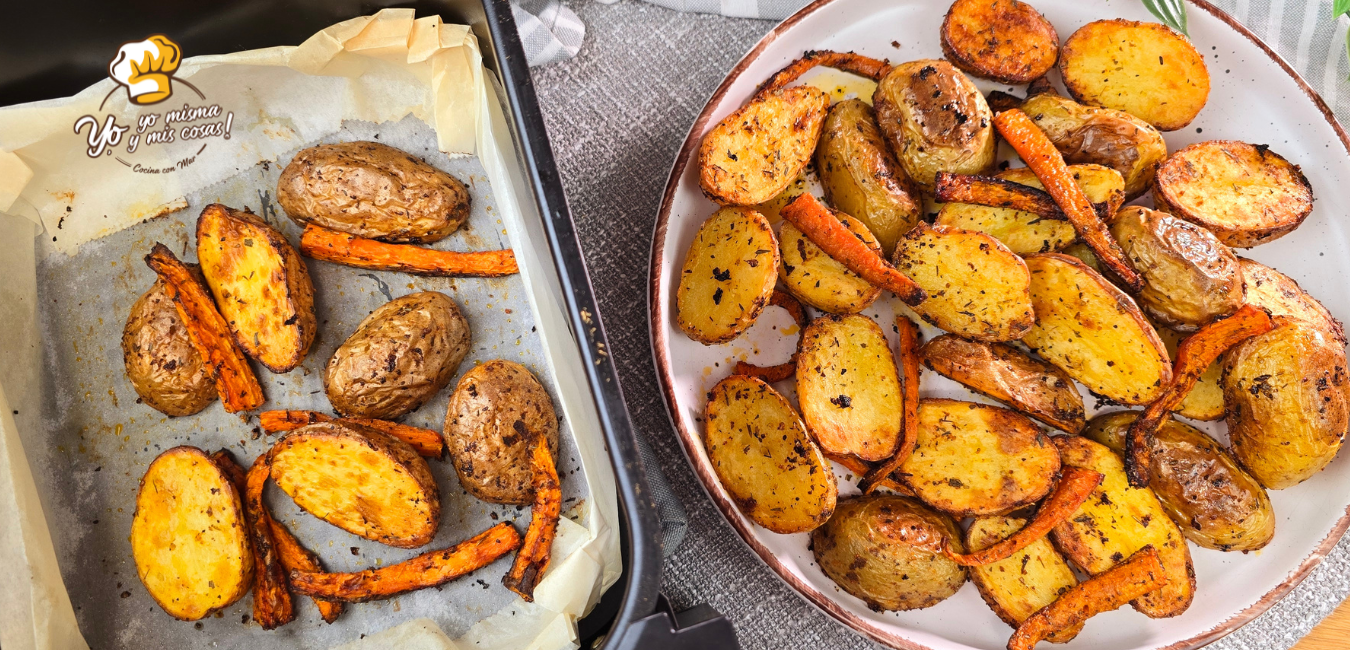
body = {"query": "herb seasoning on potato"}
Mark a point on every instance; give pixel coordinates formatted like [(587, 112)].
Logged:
[(756, 152), (935, 120), (1003, 40), (1019, 586), (849, 387), (728, 276), (165, 369)]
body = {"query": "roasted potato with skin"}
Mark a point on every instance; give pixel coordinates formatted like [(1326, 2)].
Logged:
[(1145, 69), (976, 287), (862, 178), (372, 190), (401, 355), (819, 280), (934, 119), (1019, 586), (496, 409), (1213, 501), (764, 458), (756, 152), (1205, 400), (1280, 295), (1008, 375), (887, 551), (848, 387), (1288, 405), (1003, 40), (162, 365), (728, 276), (1190, 279), (1100, 136)]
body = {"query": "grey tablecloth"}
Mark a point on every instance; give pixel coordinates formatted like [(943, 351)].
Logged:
[(616, 115)]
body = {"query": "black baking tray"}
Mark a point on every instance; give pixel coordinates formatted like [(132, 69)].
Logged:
[(55, 48)]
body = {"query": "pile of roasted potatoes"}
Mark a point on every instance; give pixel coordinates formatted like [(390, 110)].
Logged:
[(1104, 260), (202, 535)]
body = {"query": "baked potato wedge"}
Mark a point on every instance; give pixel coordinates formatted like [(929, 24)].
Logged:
[(1190, 279), (819, 280), (728, 276), (976, 287), (756, 152), (1009, 375), (188, 539), (1019, 586), (1003, 40), (1100, 136), (1280, 295), (862, 178), (1204, 402), (1145, 69), (935, 120), (1091, 330), (848, 387), (764, 458), (167, 372)]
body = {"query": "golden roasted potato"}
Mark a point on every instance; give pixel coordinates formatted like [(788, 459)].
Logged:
[(887, 551), (1190, 279), (1019, 586), (935, 120), (1090, 329), (1280, 295), (973, 459), (756, 152), (1008, 375), (976, 287), (728, 276), (1100, 136), (162, 365), (1118, 520), (1213, 501), (361, 480), (372, 190), (1004, 40), (1243, 193), (1145, 69), (188, 539), (496, 410), (260, 284), (794, 189), (848, 387), (1288, 402), (401, 355), (764, 458), (818, 279), (1205, 401), (862, 178)]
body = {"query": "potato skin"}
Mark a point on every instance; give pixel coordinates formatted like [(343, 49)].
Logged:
[(1019, 586), (862, 178), (887, 551), (1190, 279), (934, 119), (401, 355), (1145, 69), (166, 371), (1003, 40), (848, 387), (1280, 295), (819, 280), (756, 152), (495, 411), (372, 190), (728, 276), (1286, 392), (1008, 375), (1100, 136)]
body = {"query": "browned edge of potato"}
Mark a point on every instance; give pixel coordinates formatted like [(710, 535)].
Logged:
[(848, 387), (164, 368), (1003, 40), (1280, 295), (757, 151), (728, 276), (1007, 374)]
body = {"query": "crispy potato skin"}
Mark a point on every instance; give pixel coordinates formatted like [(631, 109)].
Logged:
[(1245, 194), (166, 371), (764, 458), (401, 355), (1212, 500), (934, 119), (887, 551), (260, 284), (1100, 136), (187, 536), (1190, 278), (728, 276), (1019, 586), (1205, 401), (1280, 295), (1008, 375), (862, 178), (1144, 69), (1003, 40), (361, 480), (848, 387), (976, 287), (1286, 392), (756, 152), (819, 280), (372, 190), (495, 410)]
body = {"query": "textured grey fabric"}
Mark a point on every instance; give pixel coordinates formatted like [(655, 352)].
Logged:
[(616, 115)]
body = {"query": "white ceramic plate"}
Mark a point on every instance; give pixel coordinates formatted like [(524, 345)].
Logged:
[(1255, 97)]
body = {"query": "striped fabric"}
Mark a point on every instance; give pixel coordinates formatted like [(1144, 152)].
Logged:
[(549, 31)]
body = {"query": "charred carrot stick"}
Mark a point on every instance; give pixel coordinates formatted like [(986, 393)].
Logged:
[(829, 233), (428, 443), (860, 468), (996, 192), (784, 370), (1194, 356), (1045, 161), (349, 250), (226, 462), (272, 605), (208, 331), (858, 64), (1109, 590), (533, 557), (1075, 485), (298, 558), (909, 426)]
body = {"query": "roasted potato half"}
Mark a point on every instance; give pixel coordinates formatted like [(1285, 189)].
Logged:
[(1286, 392), (1019, 586), (862, 178), (1090, 329), (1245, 194), (935, 120), (887, 551), (1008, 375), (819, 280), (976, 287), (973, 459), (756, 152), (1212, 500), (1280, 295), (764, 458), (1190, 278), (1100, 136), (165, 369), (728, 276), (188, 539), (848, 387), (1003, 40), (1145, 69)]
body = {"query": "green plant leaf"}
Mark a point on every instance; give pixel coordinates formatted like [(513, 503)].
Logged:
[(1339, 7), (1173, 12)]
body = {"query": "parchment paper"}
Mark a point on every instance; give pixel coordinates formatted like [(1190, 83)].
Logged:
[(64, 401)]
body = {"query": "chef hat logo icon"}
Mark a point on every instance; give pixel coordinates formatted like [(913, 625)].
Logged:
[(146, 68)]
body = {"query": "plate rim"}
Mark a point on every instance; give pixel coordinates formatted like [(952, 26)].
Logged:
[(660, 351)]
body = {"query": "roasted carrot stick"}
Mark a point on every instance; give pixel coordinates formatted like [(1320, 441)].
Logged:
[(858, 64), (226, 462), (341, 248), (996, 192), (1107, 591), (532, 559), (272, 605), (829, 233), (860, 468), (208, 331), (428, 443), (1194, 356), (784, 370), (1075, 485), (909, 426), (298, 558)]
